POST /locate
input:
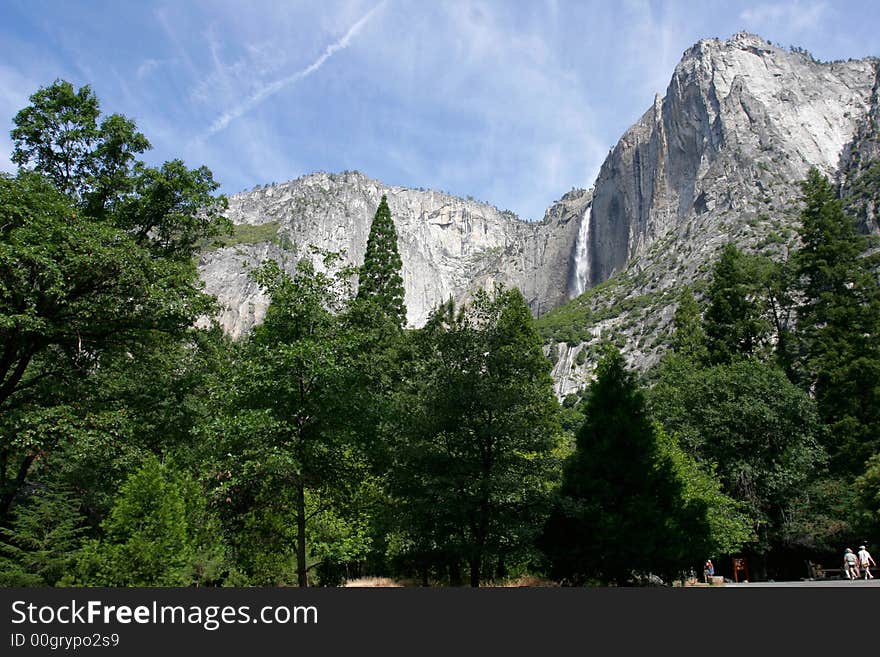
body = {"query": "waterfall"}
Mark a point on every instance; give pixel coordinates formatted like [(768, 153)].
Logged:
[(582, 255)]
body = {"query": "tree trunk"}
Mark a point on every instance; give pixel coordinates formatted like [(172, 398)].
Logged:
[(454, 572), (475, 571), (301, 571), (501, 570), (15, 486)]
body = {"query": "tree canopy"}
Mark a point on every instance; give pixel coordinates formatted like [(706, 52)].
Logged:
[(95, 258), (480, 429)]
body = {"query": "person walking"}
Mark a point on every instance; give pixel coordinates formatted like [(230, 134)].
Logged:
[(865, 561), (850, 564)]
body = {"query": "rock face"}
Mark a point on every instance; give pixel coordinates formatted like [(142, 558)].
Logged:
[(741, 123), (449, 246), (858, 158), (717, 159)]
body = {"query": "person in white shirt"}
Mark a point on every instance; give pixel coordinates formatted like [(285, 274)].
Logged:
[(866, 560), (850, 564)]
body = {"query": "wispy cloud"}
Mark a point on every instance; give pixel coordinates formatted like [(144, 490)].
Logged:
[(148, 66), (162, 18), (14, 89), (511, 102), (650, 67), (273, 88), (796, 16), (517, 127)]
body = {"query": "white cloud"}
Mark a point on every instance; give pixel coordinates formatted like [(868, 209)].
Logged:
[(146, 67), (500, 111), (649, 51), (266, 91), (14, 91), (167, 25), (793, 17), (149, 65)]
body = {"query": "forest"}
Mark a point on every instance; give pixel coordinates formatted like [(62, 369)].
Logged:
[(140, 446)]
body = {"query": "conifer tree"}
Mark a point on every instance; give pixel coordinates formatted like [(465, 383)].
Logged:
[(839, 324), (379, 279), (622, 509), (43, 540), (159, 533), (689, 340), (733, 322)]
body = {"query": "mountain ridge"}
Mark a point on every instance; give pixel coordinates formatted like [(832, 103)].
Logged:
[(717, 158)]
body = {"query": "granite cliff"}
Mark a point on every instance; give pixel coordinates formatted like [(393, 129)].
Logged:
[(449, 246), (717, 159)]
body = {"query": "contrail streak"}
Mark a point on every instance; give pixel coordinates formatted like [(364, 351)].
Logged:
[(273, 88)]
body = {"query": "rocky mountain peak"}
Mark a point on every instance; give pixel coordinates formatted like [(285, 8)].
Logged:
[(737, 114), (450, 246), (716, 159)]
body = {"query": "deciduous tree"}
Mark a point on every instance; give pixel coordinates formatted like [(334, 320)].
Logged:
[(473, 473)]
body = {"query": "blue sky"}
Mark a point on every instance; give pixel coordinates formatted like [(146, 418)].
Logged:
[(512, 102)]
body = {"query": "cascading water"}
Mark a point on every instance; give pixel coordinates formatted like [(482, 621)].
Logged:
[(582, 255)]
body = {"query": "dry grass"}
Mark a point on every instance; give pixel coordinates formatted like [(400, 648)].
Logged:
[(367, 582), (530, 581), (526, 581)]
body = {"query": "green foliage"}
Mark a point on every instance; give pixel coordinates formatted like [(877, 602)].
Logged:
[(839, 325), (689, 339), (265, 535), (73, 289), (729, 527), (95, 258), (144, 398), (43, 540), (480, 425), (825, 516), (864, 194), (754, 427), (331, 442), (775, 292), (867, 487), (622, 511), (379, 279), (248, 234), (58, 135), (284, 415), (574, 322), (171, 210), (159, 533), (571, 321), (733, 323)]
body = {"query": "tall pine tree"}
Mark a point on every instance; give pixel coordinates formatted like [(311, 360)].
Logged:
[(733, 323), (622, 511), (689, 340), (839, 324), (379, 278)]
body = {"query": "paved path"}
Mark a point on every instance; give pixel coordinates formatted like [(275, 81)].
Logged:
[(825, 583)]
